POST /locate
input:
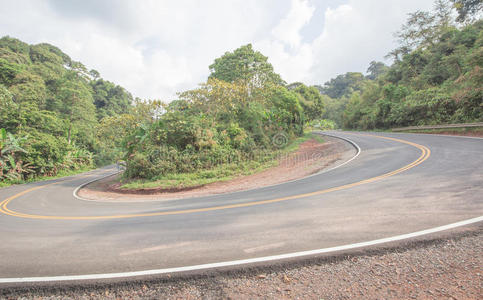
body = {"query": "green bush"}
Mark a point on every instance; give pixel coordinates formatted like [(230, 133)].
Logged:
[(207, 131)]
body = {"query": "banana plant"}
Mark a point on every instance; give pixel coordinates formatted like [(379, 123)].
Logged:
[(14, 170), (10, 167), (77, 158), (9, 144)]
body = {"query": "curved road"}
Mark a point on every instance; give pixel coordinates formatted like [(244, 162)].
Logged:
[(400, 183)]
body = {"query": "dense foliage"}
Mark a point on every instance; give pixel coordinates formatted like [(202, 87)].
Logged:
[(56, 115), (241, 111), (50, 107), (436, 77)]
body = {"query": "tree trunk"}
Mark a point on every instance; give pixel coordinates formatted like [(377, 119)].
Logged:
[(68, 133)]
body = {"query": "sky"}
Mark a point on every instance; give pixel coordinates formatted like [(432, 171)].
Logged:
[(156, 48)]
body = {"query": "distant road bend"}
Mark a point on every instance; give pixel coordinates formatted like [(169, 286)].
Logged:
[(398, 185)]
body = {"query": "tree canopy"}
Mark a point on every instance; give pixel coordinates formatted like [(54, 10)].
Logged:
[(245, 66), (436, 77), (342, 85), (50, 103), (376, 69), (467, 9), (56, 114), (235, 115)]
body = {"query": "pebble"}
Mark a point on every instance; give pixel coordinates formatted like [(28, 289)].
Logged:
[(438, 269)]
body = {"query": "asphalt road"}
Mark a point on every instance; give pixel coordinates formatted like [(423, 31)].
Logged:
[(398, 184)]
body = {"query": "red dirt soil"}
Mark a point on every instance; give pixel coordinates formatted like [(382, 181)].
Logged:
[(310, 158)]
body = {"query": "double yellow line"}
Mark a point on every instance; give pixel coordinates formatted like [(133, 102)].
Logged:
[(425, 153)]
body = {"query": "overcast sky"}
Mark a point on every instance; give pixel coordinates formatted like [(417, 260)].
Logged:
[(157, 48)]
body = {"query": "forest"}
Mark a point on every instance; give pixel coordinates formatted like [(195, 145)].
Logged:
[(231, 124), (58, 118), (50, 110), (436, 76)]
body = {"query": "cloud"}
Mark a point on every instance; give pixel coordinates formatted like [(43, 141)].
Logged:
[(284, 47), (107, 12), (353, 34), (157, 48), (288, 30), (356, 33)]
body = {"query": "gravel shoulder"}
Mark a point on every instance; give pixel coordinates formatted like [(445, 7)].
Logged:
[(310, 158), (446, 266)]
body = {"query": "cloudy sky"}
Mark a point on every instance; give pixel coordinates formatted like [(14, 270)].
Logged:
[(156, 48)]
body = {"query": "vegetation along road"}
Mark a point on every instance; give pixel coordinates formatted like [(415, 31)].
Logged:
[(60, 118), (398, 184)]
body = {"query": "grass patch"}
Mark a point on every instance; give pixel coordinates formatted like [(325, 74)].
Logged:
[(222, 172), (63, 173)]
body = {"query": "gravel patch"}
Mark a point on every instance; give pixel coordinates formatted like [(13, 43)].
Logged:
[(443, 268)]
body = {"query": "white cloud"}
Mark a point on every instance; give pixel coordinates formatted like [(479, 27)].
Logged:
[(356, 33), (288, 30), (157, 48), (290, 57)]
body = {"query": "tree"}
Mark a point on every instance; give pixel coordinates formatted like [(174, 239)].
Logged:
[(110, 99), (53, 100), (443, 13), (74, 102), (8, 72), (467, 9), (95, 74), (28, 87), (425, 28), (311, 101), (419, 30), (218, 98), (435, 78), (293, 85), (376, 69), (111, 133), (287, 113), (245, 65), (9, 118), (342, 85)]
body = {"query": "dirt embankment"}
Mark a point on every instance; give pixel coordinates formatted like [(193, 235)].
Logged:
[(471, 133), (310, 158)]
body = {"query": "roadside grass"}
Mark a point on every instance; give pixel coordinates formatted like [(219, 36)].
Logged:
[(63, 173), (220, 173)]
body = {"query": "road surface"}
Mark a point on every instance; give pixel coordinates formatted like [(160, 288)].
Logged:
[(398, 184)]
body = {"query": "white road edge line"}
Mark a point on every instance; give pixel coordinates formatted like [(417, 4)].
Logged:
[(74, 193), (242, 261), (358, 151)]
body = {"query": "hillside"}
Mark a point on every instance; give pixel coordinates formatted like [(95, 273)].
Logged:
[(50, 107), (436, 78), (56, 116)]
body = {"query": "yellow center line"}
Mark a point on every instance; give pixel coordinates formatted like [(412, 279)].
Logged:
[(425, 153)]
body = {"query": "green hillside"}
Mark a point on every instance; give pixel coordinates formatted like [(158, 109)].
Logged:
[(56, 115), (436, 77), (50, 107)]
